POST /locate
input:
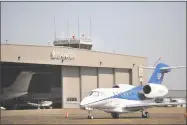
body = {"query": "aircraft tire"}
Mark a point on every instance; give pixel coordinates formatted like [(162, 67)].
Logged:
[(145, 114), (90, 117)]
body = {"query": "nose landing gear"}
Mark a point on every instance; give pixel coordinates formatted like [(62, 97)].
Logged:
[(90, 115), (145, 114)]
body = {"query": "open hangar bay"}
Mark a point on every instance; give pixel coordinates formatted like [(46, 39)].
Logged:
[(66, 75)]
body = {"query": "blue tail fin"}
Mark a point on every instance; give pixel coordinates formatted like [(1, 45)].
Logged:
[(157, 76)]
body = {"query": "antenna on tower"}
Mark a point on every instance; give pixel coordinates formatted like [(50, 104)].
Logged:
[(54, 29), (78, 32), (67, 28), (90, 29), (78, 28)]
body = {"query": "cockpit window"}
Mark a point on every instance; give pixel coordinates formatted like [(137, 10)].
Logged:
[(90, 93), (95, 93)]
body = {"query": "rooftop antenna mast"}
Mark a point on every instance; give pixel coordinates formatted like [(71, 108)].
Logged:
[(54, 29), (68, 33), (78, 33), (90, 29)]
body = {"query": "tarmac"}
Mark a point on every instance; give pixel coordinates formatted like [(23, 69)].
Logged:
[(76, 116)]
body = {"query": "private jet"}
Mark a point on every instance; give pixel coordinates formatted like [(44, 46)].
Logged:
[(125, 98), (41, 104)]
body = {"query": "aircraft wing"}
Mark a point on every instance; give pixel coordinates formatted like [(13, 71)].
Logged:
[(164, 68), (33, 104), (172, 67), (152, 104), (2, 108), (45, 103), (147, 67)]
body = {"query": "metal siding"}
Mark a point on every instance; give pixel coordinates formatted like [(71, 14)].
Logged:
[(71, 85), (122, 76), (136, 79), (106, 78), (88, 80)]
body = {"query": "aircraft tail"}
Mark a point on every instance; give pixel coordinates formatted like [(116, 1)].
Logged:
[(158, 75), (22, 82), (159, 71)]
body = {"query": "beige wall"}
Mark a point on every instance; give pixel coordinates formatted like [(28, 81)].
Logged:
[(41, 55), (135, 78), (88, 80), (106, 77), (70, 86), (122, 76)]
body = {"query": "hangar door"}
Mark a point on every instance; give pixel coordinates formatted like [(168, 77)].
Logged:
[(70, 87), (123, 76), (106, 77), (88, 80)]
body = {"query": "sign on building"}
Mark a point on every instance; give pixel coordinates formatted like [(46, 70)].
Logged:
[(62, 55), (140, 74), (140, 71)]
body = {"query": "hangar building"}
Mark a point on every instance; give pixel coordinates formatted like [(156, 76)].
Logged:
[(69, 72)]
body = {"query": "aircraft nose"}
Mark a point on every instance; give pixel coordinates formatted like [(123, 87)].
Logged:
[(84, 102)]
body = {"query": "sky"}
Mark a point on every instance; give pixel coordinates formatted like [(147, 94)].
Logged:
[(148, 29)]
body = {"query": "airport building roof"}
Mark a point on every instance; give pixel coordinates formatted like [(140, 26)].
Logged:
[(60, 55)]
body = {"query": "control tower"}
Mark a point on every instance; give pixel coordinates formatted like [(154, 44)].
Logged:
[(82, 42)]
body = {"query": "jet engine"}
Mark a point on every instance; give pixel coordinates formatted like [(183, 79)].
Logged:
[(154, 90)]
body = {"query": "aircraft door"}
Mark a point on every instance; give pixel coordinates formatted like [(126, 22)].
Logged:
[(103, 98), (109, 102)]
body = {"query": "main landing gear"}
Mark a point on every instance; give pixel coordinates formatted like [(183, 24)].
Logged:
[(90, 115), (115, 115), (145, 114)]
